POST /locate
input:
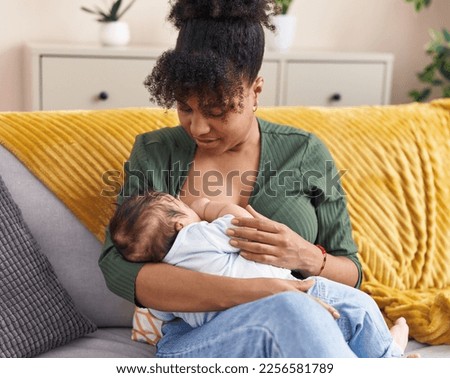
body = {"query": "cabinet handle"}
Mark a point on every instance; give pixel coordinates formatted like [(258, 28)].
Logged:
[(335, 97), (103, 96)]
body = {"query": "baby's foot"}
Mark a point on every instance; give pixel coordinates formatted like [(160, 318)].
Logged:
[(399, 332)]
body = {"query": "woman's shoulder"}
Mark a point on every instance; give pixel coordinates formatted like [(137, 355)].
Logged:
[(288, 137), (284, 142), (169, 137), (162, 146), (272, 128)]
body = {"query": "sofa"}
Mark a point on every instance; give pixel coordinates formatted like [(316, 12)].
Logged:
[(393, 165)]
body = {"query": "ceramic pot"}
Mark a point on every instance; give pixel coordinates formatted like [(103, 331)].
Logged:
[(116, 33), (283, 37)]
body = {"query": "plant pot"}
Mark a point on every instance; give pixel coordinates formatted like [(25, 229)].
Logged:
[(116, 33), (284, 35)]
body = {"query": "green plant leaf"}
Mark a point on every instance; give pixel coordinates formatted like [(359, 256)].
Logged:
[(419, 4), (413, 94), (444, 69), (446, 34), (114, 9), (88, 10), (126, 9), (437, 83), (101, 12), (446, 91), (112, 14), (427, 75), (420, 96), (283, 5)]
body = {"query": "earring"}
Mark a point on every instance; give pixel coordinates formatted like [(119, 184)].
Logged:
[(255, 107)]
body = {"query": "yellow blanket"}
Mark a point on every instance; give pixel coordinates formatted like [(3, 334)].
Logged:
[(393, 160)]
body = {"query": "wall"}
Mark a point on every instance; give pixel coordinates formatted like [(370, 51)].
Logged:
[(346, 25)]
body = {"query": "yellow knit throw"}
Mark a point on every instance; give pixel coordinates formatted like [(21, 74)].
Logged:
[(396, 179)]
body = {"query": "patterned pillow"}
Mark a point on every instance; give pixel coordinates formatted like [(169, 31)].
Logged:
[(146, 327), (36, 312)]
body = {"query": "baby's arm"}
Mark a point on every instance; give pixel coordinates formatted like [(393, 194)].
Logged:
[(210, 210)]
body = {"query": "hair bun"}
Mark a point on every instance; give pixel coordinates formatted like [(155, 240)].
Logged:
[(252, 10)]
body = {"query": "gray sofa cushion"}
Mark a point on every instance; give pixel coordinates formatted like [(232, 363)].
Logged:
[(71, 249), (36, 312), (104, 343)]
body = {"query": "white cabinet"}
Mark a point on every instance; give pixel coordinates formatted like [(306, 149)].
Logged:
[(332, 78), (84, 83), (334, 83), (76, 77), (89, 77)]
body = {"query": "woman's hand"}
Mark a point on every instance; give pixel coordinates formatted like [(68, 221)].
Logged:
[(263, 240)]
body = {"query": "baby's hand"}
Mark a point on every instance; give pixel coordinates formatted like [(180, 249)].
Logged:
[(329, 308)]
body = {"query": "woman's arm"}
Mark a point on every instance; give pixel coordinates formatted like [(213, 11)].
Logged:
[(192, 291), (168, 288)]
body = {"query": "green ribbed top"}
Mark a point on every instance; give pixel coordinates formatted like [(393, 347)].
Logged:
[(297, 185)]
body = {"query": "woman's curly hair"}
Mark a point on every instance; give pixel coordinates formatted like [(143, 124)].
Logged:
[(220, 46)]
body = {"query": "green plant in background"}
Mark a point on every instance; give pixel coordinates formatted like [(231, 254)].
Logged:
[(419, 4), (283, 5), (112, 13), (437, 73)]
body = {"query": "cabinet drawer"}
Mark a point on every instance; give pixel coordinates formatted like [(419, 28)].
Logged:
[(335, 83), (93, 83)]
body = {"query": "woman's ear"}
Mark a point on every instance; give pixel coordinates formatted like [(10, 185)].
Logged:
[(178, 226), (257, 87)]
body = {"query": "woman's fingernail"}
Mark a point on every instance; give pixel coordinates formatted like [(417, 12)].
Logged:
[(233, 242), (234, 221), (230, 232)]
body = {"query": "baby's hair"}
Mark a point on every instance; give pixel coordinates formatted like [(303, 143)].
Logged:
[(143, 226), (220, 46)]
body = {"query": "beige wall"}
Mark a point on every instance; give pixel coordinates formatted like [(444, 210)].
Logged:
[(337, 25)]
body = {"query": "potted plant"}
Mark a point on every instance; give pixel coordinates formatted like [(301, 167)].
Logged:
[(437, 73), (113, 32), (285, 25)]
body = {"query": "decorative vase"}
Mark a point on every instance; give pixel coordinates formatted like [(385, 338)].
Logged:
[(284, 34), (115, 33)]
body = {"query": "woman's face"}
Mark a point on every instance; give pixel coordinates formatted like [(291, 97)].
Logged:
[(221, 134)]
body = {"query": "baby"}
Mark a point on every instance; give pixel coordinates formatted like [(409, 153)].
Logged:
[(157, 227)]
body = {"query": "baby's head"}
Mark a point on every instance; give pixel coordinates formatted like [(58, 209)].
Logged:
[(144, 226)]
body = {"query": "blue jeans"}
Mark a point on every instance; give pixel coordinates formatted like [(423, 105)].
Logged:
[(287, 325), (361, 322)]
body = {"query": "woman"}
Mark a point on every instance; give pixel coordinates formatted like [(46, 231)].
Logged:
[(223, 152)]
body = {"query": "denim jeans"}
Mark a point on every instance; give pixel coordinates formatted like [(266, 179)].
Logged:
[(287, 325), (361, 322)]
